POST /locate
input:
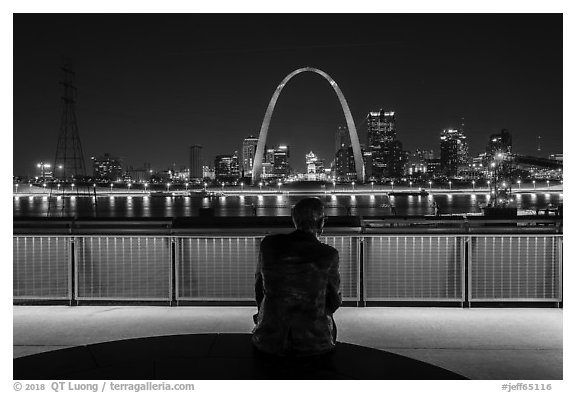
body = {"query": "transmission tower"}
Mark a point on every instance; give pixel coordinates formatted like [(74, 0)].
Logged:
[(69, 162)]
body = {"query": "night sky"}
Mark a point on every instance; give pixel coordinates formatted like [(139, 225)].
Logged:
[(149, 86)]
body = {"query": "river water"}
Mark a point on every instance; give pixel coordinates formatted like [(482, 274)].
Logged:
[(265, 205)]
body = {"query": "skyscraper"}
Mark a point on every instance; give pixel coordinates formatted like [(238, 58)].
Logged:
[(281, 165), (499, 143), (342, 138), (387, 155), (345, 165), (453, 151), (196, 162), (227, 168), (248, 151), (107, 167)]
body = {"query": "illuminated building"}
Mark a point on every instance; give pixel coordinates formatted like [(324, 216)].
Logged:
[(107, 168), (314, 167), (227, 168), (281, 164), (208, 173), (345, 166), (433, 167), (453, 151), (499, 143), (387, 154), (418, 162), (269, 156), (248, 151)]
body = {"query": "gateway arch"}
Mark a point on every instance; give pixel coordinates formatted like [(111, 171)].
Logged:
[(257, 168)]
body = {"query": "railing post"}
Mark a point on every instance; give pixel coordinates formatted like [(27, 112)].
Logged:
[(173, 273), (466, 277), (560, 270), (361, 281), (73, 286)]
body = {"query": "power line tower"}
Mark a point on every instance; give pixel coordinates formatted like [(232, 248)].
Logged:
[(69, 162)]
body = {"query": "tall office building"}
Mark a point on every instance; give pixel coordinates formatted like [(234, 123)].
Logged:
[(227, 168), (499, 143), (281, 164), (345, 165), (269, 158), (196, 162), (342, 138), (387, 155), (453, 151), (248, 152), (107, 167)]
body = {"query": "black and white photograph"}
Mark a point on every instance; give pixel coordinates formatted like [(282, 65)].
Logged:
[(366, 196)]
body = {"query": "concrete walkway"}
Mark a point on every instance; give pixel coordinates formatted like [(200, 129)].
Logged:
[(477, 343)]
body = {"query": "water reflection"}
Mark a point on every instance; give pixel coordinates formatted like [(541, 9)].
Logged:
[(268, 205)]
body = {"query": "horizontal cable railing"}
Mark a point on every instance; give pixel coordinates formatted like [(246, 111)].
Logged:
[(112, 263)]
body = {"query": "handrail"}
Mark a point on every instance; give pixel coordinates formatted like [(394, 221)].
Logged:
[(263, 225)]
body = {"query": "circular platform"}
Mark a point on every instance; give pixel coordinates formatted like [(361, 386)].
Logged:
[(216, 356)]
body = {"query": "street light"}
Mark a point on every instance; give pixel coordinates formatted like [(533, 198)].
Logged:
[(353, 186), (548, 183), (519, 184), (242, 186), (334, 186), (111, 185), (129, 185), (474, 185), (279, 185), (168, 187), (450, 184), (260, 184), (222, 186), (430, 184), (205, 184), (410, 185), (72, 187), (186, 184), (145, 186), (534, 184), (16, 188), (372, 184), (392, 184)]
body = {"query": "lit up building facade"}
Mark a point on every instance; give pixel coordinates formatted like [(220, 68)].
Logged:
[(227, 169), (195, 162), (453, 151), (417, 164), (207, 172), (499, 143), (314, 168), (433, 168), (387, 154), (281, 161), (248, 152), (345, 166), (107, 168)]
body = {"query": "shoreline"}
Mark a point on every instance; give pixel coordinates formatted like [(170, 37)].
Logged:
[(237, 193)]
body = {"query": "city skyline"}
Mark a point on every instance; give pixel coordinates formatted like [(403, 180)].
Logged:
[(144, 96)]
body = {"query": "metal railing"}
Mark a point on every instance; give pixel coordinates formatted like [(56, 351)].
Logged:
[(173, 266)]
